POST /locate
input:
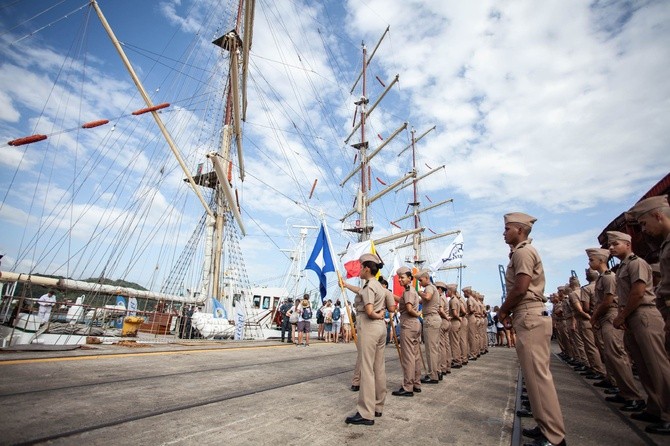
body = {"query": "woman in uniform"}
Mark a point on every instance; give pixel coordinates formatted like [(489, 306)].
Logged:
[(445, 342), (371, 303), (410, 333)]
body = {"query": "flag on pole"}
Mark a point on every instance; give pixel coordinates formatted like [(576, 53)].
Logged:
[(218, 311), (398, 289), (452, 256), (350, 258), (321, 261)]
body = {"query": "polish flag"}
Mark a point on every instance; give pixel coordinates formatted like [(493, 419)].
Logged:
[(350, 258), (397, 287)]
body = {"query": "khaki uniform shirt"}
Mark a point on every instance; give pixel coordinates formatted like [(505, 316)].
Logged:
[(631, 270), (463, 310), (574, 299), (663, 289), (567, 309), (606, 284), (373, 293), (408, 297), (588, 294), (444, 304), (454, 307), (471, 305), (430, 306), (524, 259)]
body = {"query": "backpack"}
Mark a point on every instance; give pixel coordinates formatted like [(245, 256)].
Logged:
[(336, 314), (294, 317), (307, 313), (490, 319)]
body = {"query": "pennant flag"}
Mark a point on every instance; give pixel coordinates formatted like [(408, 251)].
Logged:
[(218, 311), (398, 289), (321, 261), (451, 256), (350, 258)]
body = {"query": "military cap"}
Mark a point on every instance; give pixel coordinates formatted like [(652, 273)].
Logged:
[(403, 270), (370, 258), (423, 272), (647, 205), (467, 288), (441, 285), (598, 252), (520, 218), (452, 286), (616, 235)]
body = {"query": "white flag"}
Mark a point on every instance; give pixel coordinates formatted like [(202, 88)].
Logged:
[(452, 256)]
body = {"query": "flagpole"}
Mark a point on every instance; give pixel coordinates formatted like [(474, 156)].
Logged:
[(339, 279)]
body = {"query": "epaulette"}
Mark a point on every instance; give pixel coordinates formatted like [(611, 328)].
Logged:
[(632, 257), (608, 272)]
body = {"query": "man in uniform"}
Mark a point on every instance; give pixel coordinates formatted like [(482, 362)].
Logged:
[(454, 332), (445, 344), (431, 326), (653, 214), (574, 293), (524, 280), (583, 311), (617, 362), (471, 314)]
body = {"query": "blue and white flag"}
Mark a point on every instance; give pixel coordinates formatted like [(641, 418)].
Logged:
[(218, 310), (452, 256), (321, 261)]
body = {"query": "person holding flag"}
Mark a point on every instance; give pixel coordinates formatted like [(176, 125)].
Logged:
[(371, 303), (410, 327)]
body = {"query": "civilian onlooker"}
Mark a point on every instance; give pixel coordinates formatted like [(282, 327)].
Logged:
[(346, 325), (46, 303), (500, 328), (328, 319), (319, 322), (337, 321), (294, 316), (305, 311), (285, 310), (491, 330)]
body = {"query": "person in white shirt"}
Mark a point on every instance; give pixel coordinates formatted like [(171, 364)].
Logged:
[(46, 303)]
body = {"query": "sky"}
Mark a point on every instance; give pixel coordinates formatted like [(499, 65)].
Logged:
[(558, 109)]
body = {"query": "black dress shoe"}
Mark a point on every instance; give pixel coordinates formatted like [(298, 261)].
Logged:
[(473, 358), (532, 433), (594, 376), (358, 419), (524, 398), (417, 389), (604, 384), (524, 413), (355, 388), (402, 392), (428, 380), (440, 376), (447, 372), (456, 366), (580, 368), (634, 406), (378, 414), (659, 428), (617, 399), (542, 441), (612, 391), (646, 417)]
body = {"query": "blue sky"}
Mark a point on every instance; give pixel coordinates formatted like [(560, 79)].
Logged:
[(559, 111)]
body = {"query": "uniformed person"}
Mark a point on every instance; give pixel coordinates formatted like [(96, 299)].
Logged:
[(410, 328), (643, 325), (471, 314), (454, 331), (431, 326), (574, 292), (463, 312), (617, 361), (524, 280), (371, 304), (583, 310), (653, 215), (445, 343)]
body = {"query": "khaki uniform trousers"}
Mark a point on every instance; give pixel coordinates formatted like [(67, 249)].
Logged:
[(465, 347), (410, 359), (455, 341), (483, 335), (533, 334), (431, 339), (473, 336), (445, 346), (665, 312), (372, 393), (600, 343), (577, 341), (617, 360), (592, 353), (356, 380), (645, 338), (560, 335)]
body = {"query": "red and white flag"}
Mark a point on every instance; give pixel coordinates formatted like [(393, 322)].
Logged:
[(397, 287), (350, 258)]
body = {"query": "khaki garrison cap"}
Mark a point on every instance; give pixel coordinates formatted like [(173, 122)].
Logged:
[(423, 272), (441, 285), (647, 205), (369, 258), (598, 252), (520, 218), (616, 235), (452, 286), (467, 288), (403, 270)]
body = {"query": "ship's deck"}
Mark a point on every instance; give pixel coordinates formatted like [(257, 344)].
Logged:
[(269, 393)]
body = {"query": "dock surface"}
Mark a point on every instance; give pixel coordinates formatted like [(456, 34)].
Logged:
[(270, 393)]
